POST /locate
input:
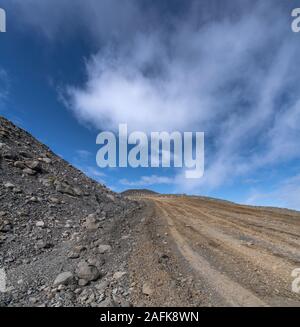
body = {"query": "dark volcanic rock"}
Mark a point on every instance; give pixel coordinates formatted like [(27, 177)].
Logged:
[(51, 217)]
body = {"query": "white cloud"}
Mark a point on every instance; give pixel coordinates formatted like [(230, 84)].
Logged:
[(83, 154), (94, 172), (148, 181), (286, 195), (233, 76), (227, 78)]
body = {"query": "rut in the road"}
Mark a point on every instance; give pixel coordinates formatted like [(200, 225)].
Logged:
[(245, 265), (231, 243), (232, 292)]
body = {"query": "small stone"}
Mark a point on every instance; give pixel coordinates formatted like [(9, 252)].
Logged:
[(46, 160), (91, 222), (34, 165), (111, 197), (61, 287), (24, 154), (102, 286), (40, 224), (68, 224), (82, 282), (43, 245), (78, 291), (79, 248), (29, 171), (87, 272), (64, 278), (119, 274), (9, 185), (63, 187), (6, 226), (147, 290), (77, 191), (92, 217), (20, 164), (32, 300), (104, 248), (54, 200), (73, 255)]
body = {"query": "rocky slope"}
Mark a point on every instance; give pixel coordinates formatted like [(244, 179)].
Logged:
[(60, 232)]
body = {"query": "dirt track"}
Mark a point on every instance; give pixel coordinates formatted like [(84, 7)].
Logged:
[(196, 251)]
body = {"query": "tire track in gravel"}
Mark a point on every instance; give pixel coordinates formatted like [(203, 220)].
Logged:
[(233, 293), (270, 249), (275, 244), (285, 224), (216, 248)]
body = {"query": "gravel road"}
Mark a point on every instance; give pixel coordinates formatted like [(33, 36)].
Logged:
[(198, 251)]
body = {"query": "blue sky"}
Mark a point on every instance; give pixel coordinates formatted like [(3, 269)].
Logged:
[(70, 69)]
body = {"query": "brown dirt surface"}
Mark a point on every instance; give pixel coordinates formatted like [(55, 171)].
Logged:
[(193, 251)]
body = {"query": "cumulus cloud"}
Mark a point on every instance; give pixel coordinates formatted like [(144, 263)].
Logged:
[(228, 70), (233, 78)]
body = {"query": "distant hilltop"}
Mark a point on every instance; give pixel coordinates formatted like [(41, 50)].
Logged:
[(133, 192)]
